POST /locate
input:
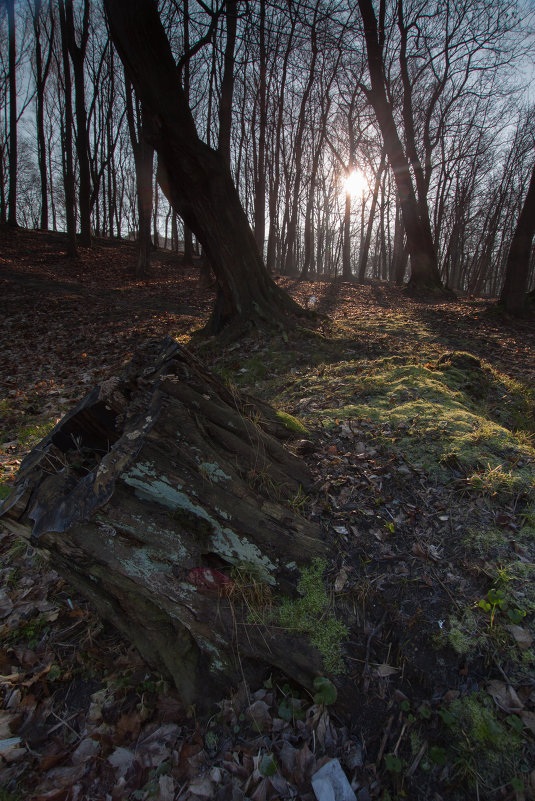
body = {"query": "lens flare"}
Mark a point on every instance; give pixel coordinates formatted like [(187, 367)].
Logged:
[(355, 183)]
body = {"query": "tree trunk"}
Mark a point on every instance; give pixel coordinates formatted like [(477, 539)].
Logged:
[(424, 270), (260, 183), (68, 166), (227, 83), (143, 160), (199, 183), (166, 500), (365, 249), (41, 75), (12, 194), (513, 296), (77, 54), (346, 240)]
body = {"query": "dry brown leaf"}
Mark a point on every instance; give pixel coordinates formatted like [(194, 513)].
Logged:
[(386, 670), (528, 719), (128, 727), (522, 636), (341, 580), (505, 696)]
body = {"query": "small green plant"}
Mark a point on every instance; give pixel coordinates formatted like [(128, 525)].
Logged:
[(484, 749), (267, 766), (311, 614), (298, 502), (326, 692), (496, 601), (30, 632), (393, 764)]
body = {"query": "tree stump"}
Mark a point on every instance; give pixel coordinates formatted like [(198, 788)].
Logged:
[(166, 499)]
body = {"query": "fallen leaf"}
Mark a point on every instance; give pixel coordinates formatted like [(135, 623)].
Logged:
[(341, 580), (386, 670), (6, 605), (528, 719), (505, 696), (522, 636), (121, 760)]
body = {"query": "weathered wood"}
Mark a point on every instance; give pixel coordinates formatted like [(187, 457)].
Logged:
[(165, 498)]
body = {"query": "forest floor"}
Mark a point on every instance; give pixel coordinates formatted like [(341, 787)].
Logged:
[(422, 416)]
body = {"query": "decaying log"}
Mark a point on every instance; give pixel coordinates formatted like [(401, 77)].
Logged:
[(165, 498)]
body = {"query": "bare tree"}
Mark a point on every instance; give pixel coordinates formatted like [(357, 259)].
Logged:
[(420, 245), (42, 70), (77, 54), (68, 165), (200, 183), (12, 195)]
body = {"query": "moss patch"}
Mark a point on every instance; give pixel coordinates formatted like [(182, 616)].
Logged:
[(312, 615), (488, 750), (441, 418), (292, 423)]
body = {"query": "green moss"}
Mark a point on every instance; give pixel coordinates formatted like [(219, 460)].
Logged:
[(453, 416), (312, 615), (30, 434), (463, 633), (488, 752), (292, 423), (5, 489)]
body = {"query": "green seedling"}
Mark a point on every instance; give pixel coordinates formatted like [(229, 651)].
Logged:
[(495, 601)]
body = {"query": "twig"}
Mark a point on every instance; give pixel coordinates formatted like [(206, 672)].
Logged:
[(371, 635), (416, 761), (384, 740)]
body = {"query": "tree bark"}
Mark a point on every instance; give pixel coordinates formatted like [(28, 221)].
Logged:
[(12, 193), (143, 160), (164, 499), (260, 182), (227, 83), (199, 183), (68, 166), (514, 293)]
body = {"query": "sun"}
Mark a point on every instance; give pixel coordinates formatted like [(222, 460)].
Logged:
[(355, 183)]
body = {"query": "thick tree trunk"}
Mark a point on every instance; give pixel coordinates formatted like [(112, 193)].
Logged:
[(166, 500), (200, 185), (513, 296)]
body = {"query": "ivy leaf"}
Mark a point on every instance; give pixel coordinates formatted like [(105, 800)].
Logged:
[(437, 755), (393, 763), (447, 717), (268, 766), (326, 691)]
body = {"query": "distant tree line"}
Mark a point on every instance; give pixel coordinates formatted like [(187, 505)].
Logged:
[(422, 103)]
